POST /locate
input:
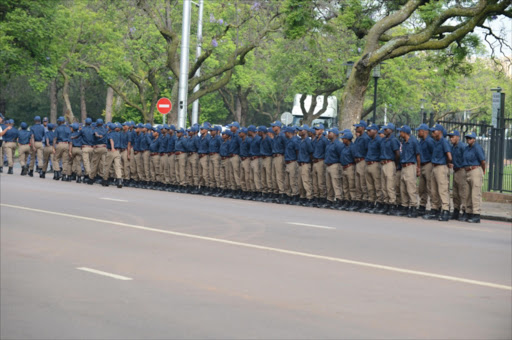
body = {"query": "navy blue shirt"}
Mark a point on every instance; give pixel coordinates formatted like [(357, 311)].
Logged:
[(102, 132), (215, 143), (115, 137), (76, 139), (441, 147), (224, 148), (24, 136), (145, 141), (193, 143), (164, 139), (333, 151), (319, 145), (136, 142), (426, 149), (62, 133), (10, 136), (305, 150), (255, 146), (266, 146), (361, 146), (473, 155), (458, 154), (154, 146), (204, 144), (125, 138), (37, 130), (291, 149), (409, 150), (245, 147), (388, 147), (373, 154), (171, 143), (180, 144), (279, 144), (347, 154), (87, 134), (48, 138), (234, 146)]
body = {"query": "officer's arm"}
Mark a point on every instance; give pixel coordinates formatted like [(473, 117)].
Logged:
[(54, 141), (418, 163), (70, 148), (397, 157), (449, 157), (112, 144), (32, 141), (482, 164)]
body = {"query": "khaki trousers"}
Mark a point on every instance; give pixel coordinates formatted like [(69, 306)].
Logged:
[(139, 165), (255, 177), (425, 186), (76, 160), (333, 178), (154, 168), (192, 169), (440, 188), (291, 182), (349, 182), (204, 171), (98, 162), (245, 173), (234, 171), (10, 151), (125, 165), (475, 179), (146, 165), (87, 152), (133, 166), (62, 155), (113, 158), (361, 190), (318, 178), (373, 182), (181, 166), (388, 183), (164, 168), (224, 176), (408, 189), (214, 168), (23, 152), (305, 181), (172, 169), (460, 189), (278, 174), (266, 174), (38, 152), (47, 156), (398, 182)]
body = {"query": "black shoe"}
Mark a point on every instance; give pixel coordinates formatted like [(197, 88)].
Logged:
[(433, 214), (1, 169), (445, 216), (72, 177), (10, 172), (422, 211), (42, 174), (355, 206), (383, 209), (455, 214), (31, 173), (464, 217), (475, 218), (104, 183), (413, 212), (372, 207), (365, 206), (79, 179), (65, 178), (400, 211), (119, 183), (23, 171)]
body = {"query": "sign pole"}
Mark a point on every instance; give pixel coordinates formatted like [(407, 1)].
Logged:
[(195, 104), (183, 83)]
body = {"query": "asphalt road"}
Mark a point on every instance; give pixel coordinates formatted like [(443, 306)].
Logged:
[(80, 261)]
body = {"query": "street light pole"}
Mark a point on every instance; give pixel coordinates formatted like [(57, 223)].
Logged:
[(376, 76), (183, 83), (195, 104)]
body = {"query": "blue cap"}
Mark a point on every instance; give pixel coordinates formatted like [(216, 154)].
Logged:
[(381, 130), (172, 127), (319, 127), (227, 132), (251, 128), (99, 121), (470, 135), (205, 126), (277, 123), (243, 130), (45, 119), (437, 127), (23, 125), (51, 126), (423, 127), (194, 129), (312, 130), (180, 130), (148, 126), (290, 129), (361, 123), (390, 126), (61, 119), (335, 131), (119, 126), (74, 126), (373, 127), (262, 128), (405, 128), (88, 120), (37, 119), (217, 128), (235, 124), (347, 135), (454, 133)]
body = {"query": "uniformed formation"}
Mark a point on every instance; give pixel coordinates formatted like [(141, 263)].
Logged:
[(375, 172)]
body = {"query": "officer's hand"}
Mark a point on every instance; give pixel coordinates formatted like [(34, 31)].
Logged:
[(70, 155), (450, 165), (54, 150), (418, 172)]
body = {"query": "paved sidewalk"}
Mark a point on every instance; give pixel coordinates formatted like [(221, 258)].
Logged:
[(497, 211)]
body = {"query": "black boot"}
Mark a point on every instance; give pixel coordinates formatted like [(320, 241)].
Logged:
[(445, 216), (79, 179), (433, 214), (1, 169), (42, 174), (104, 183), (413, 212), (422, 211), (355, 206), (89, 181), (455, 214), (72, 177), (23, 171), (463, 217), (65, 178), (119, 183), (400, 211), (31, 173), (10, 172), (383, 209), (365, 206), (475, 218)]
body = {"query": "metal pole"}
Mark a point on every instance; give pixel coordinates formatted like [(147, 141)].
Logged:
[(375, 101), (195, 104), (183, 84)]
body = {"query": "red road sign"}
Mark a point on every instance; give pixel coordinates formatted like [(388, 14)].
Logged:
[(164, 106)]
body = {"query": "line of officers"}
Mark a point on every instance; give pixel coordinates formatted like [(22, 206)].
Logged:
[(375, 172)]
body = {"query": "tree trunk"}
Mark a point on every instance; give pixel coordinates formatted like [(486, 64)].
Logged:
[(53, 101), (83, 106), (68, 113), (172, 117), (353, 97), (108, 106)]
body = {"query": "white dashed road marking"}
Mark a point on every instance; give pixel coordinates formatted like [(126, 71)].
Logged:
[(99, 272), (310, 225)]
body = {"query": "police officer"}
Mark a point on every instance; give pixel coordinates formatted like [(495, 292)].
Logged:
[(24, 147), (245, 165), (333, 176), (373, 171), (441, 157), (305, 169), (460, 185), (234, 151), (203, 152), (2, 132), (48, 149), (426, 147), (61, 150), (86, 134), (172, 157), (181, 159), (124, 149), (154, 159), (474, 161), (278, 164), (410, 157), (360, 151), (193, 159), (113, 156), (389, 159), (318, 172), (348, 176), (10, 136), (215, 160), (99, 150), (291, 173), (226, 185), (254, 153), (37, 131), (137, 152), (75, 153), (266, 163), (164, 159)]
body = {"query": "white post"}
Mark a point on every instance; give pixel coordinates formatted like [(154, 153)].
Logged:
[(195, 104), (385, 114), (183, 84)]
